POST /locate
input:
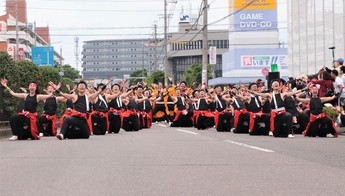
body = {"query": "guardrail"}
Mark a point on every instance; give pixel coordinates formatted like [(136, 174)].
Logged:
[(4, 124)]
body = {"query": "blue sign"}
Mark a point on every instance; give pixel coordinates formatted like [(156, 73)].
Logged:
[(43, 55), (255, 20)]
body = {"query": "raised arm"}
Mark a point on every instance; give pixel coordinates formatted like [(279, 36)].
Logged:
[(327, 99), (303, 100), (72, 97), (18, 95), (41, 97)]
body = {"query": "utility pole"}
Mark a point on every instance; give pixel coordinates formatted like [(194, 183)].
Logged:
[(204, 45), (76, 52), (16, 56), (155, 51), (165, 62), (60, 57), (143, 60)]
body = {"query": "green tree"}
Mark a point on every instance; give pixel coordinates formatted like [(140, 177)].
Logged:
[(139, 73), (18, 74), (47, 74), (194, 74), (70, 72), (155, 77)]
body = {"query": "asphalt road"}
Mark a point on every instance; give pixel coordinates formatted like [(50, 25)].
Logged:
[(173, 161)]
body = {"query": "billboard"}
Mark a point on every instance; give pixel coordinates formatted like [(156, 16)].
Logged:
[(244, 62), (43, 55), (263, 60), (256, 5), (258, 16)]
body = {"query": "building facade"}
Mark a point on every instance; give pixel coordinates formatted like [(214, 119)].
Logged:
[(254, 43), (315, 26), (118, 58), (28, 35), (185, 49)]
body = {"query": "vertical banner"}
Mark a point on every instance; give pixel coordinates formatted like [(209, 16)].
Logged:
[(21, 54), (213, 55), (10, 51)]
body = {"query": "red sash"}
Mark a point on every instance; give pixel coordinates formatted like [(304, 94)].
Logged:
[(33, 123), (217, 114), (146, 118), (252, 117), (100, 114), (75, 113), (118, 112), (127, 113), (313, 117), (67, 112), (52, 118), (205, 113), (178, 113), (237, 115), (274, 114)]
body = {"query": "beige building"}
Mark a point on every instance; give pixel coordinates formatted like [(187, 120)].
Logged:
[(29, 35), (314, 26), (185, 49)]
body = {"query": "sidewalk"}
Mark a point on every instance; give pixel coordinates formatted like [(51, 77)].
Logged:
[(5, 132)]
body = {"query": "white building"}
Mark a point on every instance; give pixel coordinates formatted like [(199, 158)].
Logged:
[(313, 27)]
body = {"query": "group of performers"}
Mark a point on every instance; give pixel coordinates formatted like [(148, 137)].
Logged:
[(252, 109)]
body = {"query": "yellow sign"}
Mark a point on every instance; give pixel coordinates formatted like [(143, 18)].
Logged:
[(231, 5), (256, 5)]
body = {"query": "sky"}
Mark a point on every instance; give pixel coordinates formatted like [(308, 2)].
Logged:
[(115, 19)]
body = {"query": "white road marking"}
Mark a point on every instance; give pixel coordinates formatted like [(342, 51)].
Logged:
[(249, 146), (185, 131), (162, 125)]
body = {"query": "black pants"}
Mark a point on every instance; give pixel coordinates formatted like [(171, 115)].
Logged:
[(183, 120), (20, 126), (131, 123), (204, 122), (283, 125), (114, 123), (74, 127), (99, 124), (261, 125), (224, 122), (321, 127), (243, 124), (45, 126), (302, 122)]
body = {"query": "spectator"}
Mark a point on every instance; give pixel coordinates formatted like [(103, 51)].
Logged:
[(342, 95), (338, 85), (338, 63), (325, 83)]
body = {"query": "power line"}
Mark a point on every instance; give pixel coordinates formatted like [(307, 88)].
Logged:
[(150, 34), (119, 10)]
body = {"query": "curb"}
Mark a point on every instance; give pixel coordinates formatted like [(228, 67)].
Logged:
[(5, 132)]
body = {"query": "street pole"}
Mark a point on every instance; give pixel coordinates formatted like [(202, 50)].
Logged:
[(60, 57), (165, 62), (155, 51), (16, 56), (204, 45)]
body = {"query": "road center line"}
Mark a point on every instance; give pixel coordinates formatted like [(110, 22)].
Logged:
[(185, 131), (249, 146)]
